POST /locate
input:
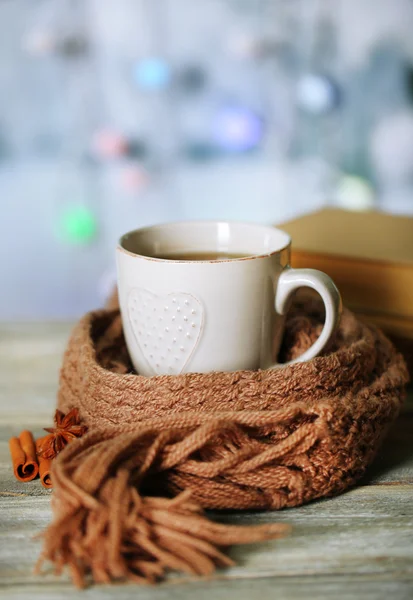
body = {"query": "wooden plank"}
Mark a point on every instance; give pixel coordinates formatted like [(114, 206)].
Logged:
[(30, 358), (365, 531), (282, 588)]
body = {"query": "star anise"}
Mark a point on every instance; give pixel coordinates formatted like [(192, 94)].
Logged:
[(67, 428)]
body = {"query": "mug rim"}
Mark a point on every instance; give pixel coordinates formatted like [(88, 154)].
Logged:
[(186, 223)]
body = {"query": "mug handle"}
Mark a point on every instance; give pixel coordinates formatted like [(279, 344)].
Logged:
[(292, 279)]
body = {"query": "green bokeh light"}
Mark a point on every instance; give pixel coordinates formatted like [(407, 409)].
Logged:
[(79, 225)]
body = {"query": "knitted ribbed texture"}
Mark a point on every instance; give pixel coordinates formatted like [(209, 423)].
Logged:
[(244, 440)]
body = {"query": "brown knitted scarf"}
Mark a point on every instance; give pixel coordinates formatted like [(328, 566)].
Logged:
[(129, 495)]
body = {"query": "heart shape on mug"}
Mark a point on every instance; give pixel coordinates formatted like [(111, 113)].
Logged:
[(167, 328)]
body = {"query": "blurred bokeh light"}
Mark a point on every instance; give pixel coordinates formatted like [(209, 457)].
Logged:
[(114, 115)]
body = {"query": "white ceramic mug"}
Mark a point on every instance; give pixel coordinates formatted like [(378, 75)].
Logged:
[(220, 315)]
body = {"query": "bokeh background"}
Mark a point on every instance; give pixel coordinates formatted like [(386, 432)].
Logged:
[(118, 114)]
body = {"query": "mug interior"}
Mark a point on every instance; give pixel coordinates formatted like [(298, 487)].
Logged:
[(244, 239)]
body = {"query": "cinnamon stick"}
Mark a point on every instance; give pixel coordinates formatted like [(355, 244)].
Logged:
[(45, 465), (24, 456)]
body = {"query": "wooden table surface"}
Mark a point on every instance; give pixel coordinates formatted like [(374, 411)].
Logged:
[(358, 545)]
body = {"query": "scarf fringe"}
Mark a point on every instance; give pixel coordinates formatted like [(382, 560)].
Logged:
[(105, 530)]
